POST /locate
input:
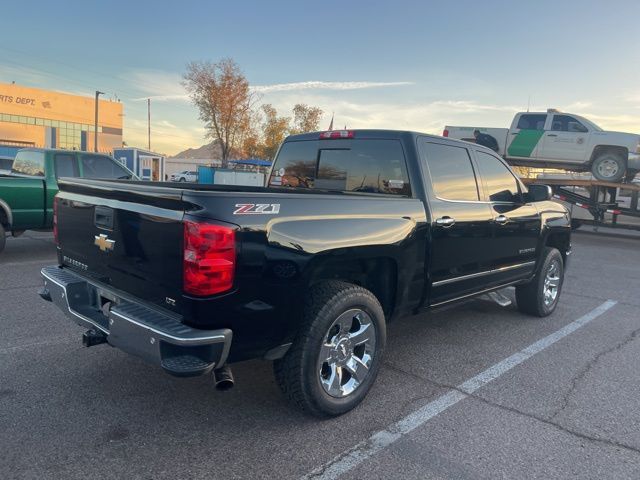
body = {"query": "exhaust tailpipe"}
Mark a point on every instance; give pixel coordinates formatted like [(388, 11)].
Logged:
[(223, 378)]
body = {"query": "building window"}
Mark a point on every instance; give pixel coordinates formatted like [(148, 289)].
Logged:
[(69, 134)]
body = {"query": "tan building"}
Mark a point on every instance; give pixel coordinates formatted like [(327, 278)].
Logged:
[(31, 117)]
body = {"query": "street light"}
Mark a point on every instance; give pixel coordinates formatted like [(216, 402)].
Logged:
[(95, 132)]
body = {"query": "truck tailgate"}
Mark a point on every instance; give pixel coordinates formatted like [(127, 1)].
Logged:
[(124, 236)]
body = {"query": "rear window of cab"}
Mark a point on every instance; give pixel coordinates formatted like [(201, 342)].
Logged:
[(367, 166), (29, 162)]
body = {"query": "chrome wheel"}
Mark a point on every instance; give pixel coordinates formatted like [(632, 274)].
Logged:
[(608, 168), (551, 283), (347, 352)]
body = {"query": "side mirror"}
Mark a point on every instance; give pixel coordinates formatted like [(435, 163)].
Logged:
[(538, 193)]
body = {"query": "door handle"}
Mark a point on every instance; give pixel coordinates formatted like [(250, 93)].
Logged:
[(445, 221), (501, 219), (552, 135)]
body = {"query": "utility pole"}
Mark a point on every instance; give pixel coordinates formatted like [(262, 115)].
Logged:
[(149, 122), (95, 132)]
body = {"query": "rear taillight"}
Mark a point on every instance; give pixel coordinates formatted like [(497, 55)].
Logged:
[(209, 258), (445, 133), (55, 220), (333, 134)]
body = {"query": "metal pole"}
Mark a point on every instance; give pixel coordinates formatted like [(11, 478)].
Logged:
[(95, 131), (149, 122)]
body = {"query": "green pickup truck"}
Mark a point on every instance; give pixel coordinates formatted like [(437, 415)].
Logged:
[(26, 194)]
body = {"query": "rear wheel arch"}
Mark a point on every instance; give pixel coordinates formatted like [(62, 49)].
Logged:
[(378, 274), (320, 373)]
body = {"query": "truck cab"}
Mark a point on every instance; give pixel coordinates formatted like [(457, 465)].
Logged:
[(551, 136)]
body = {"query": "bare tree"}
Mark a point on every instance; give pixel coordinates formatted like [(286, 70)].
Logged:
[(305, 118), (222, 94)]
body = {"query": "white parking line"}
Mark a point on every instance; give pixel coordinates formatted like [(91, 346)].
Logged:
[(382, 439)]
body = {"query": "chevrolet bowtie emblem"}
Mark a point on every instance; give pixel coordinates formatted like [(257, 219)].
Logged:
[(103, 242)]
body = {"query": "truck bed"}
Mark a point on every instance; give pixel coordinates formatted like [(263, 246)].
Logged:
[(142, 225), (466, 134)]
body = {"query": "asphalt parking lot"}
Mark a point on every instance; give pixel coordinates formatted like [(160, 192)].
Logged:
[(551, 398)]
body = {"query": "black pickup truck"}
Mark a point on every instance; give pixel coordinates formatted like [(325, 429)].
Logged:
[(354, 229)]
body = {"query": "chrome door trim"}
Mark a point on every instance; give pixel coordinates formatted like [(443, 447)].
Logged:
[(481, 274)]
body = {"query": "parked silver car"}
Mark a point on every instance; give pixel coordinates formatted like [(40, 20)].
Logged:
[(184, 176)]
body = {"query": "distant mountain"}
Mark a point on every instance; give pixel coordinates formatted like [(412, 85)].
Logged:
[(210, 150)]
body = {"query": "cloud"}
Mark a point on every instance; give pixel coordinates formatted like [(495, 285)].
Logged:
[(23, 75), (156, 84), (427, 116), (621, 122), (467, 106), (319, 85), (575, 106), (163, 98), (165, 87)]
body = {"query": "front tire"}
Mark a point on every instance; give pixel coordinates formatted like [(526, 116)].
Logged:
[(337, 353), (540, 296), (609, 167)]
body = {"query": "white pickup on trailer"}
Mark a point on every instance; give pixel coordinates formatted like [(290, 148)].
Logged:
[(559, 140)]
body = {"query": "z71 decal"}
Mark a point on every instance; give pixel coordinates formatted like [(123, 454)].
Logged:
[(257, 209)]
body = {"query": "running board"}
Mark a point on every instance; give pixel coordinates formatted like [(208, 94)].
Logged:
[(498, 297)]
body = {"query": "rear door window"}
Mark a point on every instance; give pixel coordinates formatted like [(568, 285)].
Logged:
[(532, 121), (452, 174), (369, 166), (66, 165), (100, 166)]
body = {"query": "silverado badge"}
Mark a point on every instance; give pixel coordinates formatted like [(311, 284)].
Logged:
[(103, 242)]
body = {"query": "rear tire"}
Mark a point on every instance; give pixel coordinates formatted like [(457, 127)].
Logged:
[(342, 331), (3, 238), (540, 296), (609, 167), (182, 179)]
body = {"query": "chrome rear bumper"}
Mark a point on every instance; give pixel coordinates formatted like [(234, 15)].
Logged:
[(134, 327)]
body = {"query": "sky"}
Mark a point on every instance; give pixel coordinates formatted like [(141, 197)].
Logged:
[(415, 65)]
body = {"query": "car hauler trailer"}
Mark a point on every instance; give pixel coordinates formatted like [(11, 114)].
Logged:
[(608, 204)]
